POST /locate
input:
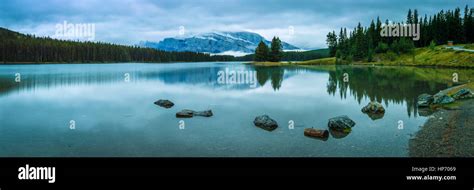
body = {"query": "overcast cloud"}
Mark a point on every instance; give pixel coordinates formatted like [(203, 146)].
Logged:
[(128, 22)]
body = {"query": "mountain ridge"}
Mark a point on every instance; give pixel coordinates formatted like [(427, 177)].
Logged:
[(214, 43)]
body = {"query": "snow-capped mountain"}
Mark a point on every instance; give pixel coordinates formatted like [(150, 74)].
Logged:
[(228, 43)]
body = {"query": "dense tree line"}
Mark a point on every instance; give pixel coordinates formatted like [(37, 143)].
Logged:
[(293, 55), (305, 55), (362, 42), (272, 54), (17, 47)]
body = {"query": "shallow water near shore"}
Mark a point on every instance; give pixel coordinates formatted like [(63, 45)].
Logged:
[(111, 106)]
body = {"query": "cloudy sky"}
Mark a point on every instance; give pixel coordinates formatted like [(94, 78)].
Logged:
[(131, 21)]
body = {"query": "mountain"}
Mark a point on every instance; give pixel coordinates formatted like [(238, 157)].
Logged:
[(229, 43)]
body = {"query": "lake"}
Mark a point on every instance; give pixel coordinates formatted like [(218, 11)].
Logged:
[(88, 110)]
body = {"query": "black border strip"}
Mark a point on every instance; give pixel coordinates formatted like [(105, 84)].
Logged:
[(146, 170)]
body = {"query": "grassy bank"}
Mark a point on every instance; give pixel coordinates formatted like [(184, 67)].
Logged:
[(440, 56)]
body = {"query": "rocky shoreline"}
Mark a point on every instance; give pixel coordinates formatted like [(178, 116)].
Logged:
[(449, 131)]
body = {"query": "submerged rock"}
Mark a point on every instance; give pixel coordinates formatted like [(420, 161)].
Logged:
[(375, 116), (206, 113), (340, 134), (463, 93), (425, 100), (316, 133), (341, 123), (164, 103), (265, 122), (186, 113)]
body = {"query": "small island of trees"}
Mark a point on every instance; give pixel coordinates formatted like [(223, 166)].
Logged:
[(272, 54)]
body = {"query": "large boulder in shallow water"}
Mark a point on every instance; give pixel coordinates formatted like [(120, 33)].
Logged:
[(265, 122), (341, 123), (424, 100), (190, 113), (463, 93), (164, 103), (373, 108)]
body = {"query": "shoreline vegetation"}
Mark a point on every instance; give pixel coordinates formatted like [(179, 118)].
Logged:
[(362, 44), (368, 45), (439, 56)]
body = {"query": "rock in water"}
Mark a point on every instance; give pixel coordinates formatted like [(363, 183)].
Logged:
[(341, 123), (463, 93), (190, 113), (424, 100), (375, 116), (206, 113), (185, 114), (442, 99), (339, 134), (374, 108), (265, 122), (316, 133), (164, 103)]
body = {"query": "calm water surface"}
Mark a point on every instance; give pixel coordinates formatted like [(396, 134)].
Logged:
[(114, 117)]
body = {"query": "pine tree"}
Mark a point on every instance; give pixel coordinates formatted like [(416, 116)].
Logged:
[(276, 50), (360, 44), (416, 22), (458, 28), (332, 43), (378, 29), (466, 20), (372, 34), (415, 17), (409, 17), (425, 38), (261, 52)]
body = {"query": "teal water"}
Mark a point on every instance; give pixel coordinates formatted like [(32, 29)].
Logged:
[(116, 117)]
